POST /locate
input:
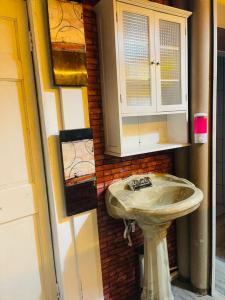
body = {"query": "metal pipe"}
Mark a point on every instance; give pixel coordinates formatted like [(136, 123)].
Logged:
[(200, 154), (183, 224)]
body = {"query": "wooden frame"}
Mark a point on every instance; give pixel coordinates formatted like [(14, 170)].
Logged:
[(77, 151), (183, 61), (121, 7), (67, 39)]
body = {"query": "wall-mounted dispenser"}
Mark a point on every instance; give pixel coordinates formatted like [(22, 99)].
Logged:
[(200, 128)]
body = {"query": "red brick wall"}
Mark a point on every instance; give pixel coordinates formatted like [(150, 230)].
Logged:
[(119, 262)]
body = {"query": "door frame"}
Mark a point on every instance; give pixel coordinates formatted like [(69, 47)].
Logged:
[(40, 125), (215, 293), (214, 133)]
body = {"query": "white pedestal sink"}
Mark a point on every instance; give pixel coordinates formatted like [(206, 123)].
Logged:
[(154, 208)]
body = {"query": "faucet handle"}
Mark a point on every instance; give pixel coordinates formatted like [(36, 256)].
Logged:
[(135, 185), (147, 180)]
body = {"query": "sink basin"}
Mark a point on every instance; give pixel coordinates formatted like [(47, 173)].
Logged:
[(169, 198), (154, 208)]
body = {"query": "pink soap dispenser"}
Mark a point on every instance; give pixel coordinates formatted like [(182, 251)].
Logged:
[(201, 128)]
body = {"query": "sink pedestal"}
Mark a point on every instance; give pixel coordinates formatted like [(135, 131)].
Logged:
[(157, 284), (154, 208)]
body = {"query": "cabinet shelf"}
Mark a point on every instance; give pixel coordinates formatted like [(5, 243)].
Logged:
[(170, 80), (172, 48), (153, 148), (140, 79), (136, 79), (141, 114)]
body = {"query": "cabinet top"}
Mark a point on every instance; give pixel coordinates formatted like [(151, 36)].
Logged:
[(153, 6)]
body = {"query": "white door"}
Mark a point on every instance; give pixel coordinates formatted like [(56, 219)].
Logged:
[(136, 59), (26, 259), (171, 64)]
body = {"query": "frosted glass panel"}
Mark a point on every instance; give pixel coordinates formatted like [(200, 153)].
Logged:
[(137, 59), (170, 60)]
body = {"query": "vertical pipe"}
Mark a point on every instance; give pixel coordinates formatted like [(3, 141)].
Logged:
[(183, 224), (200, 155), (214, 145)]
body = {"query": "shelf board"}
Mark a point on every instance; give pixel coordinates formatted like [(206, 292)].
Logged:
[(170, 48), (170, 80), (142, 114), (149, 149), (137, 78)]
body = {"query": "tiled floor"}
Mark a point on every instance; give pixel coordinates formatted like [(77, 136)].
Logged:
[(220, 254), (182, 294), (220, 275), (182, 291)]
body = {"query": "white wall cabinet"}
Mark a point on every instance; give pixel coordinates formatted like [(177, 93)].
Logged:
[(143, 53)]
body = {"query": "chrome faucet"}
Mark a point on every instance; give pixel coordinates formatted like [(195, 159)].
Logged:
[(137, 184)]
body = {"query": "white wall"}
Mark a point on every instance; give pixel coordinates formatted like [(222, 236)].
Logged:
[(76, 242)]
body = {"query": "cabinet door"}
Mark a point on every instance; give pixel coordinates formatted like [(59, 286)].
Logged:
[(171, 77), (136, 59)]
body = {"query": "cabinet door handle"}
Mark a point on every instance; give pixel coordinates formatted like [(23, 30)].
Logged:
[(152, 62), (158, 63)]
